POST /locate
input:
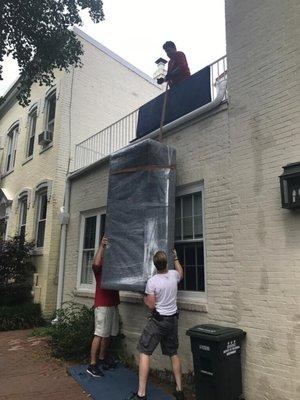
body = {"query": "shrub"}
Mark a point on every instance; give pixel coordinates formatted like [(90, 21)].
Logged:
[(16, 271), (21, 316), (72, 334)]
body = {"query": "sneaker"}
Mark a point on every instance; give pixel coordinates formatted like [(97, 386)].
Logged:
[(94, 371), (179, 395), (135, 396), (106, 364)]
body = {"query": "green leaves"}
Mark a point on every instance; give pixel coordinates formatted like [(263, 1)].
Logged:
[(37, 34)]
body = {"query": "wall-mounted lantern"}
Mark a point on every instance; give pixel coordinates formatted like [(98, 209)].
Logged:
[(290, 186)]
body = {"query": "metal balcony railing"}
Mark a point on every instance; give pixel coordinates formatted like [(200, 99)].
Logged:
[(120, 133)]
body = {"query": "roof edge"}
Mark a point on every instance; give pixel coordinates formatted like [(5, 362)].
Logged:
[(114, 56)]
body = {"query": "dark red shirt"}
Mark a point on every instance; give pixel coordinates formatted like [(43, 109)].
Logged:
[(104, 297), (178, 60)]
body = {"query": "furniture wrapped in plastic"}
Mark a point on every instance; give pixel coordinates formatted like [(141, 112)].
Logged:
[(140, 213)]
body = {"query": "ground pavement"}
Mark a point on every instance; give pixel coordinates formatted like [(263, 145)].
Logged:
[(27, 372)]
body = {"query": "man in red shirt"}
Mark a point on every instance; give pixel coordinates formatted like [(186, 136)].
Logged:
[(178, 69), (106, 318)]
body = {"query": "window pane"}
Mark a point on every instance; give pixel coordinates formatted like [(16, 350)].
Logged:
[(198, 226), (188, 228), (187, 206), (190, 254), (51, 105), (23, 211), (90, 232), (8, 162), (192, 258), (43, 206), (178, 208), (30, 146), (190, 278), (3, 224), (198, 204), (22, 232), (40, 233), (177, 229), (86, 271), (102, 225)]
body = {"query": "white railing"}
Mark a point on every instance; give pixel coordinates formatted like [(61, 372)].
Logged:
[(120, 133)]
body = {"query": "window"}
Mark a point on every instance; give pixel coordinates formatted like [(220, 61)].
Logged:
[(11, 148), (189, 240), (3, 227), (23, 203), (42, 202), (32, 118), (50, 112), (92, 230)]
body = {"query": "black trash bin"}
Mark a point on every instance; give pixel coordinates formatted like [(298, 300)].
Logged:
[(217, 362)]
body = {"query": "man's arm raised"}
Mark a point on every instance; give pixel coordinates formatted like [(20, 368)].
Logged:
[(99, 255), (177, 265)]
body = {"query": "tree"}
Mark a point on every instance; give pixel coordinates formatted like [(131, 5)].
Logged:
[(37, 34)]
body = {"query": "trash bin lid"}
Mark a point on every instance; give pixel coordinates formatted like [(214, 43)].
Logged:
[(214, 332)]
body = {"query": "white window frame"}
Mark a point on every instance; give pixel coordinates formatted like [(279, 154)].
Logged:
[(11, 147), (189, 295), (87, 287), (47, 107), (39, 194), (21, 211), (33, 111)]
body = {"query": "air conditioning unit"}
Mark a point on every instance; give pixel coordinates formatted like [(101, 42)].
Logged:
[(45, 138)]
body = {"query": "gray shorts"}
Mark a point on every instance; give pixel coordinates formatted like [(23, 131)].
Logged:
[(164, 332)]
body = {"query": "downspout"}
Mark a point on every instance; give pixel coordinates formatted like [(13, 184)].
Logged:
[(64, 212), (64, 218), (221, 88)]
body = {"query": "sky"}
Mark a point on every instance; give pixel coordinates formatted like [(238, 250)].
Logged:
[(137, 29)]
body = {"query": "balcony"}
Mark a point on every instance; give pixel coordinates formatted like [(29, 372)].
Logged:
[(123, 131)]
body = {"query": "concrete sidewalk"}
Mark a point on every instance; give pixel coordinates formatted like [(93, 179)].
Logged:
[(27, 372)]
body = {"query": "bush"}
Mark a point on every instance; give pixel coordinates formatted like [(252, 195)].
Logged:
[(16, 271), (22, 316), (72, 334)]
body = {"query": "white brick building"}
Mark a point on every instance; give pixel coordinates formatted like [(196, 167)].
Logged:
[(33, 175), (228, 163)]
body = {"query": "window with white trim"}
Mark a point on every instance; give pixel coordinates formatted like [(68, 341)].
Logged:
[(42, 203), (32, 118), (189, 240), (11, 148), (50, 112), (23, 204), (92, 230)]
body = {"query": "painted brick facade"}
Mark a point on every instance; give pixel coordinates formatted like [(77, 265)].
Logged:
[(88, 99), (252, 245)]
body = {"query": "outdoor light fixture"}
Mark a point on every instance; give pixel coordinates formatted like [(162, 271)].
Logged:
[(290, 186)]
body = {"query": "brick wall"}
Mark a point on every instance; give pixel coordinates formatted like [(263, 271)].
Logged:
[(251, 243)]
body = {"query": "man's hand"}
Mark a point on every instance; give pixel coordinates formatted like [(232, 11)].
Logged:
[(175, 254), (104, 242)]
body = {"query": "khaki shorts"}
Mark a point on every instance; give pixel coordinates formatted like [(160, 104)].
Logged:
[(106, 321)]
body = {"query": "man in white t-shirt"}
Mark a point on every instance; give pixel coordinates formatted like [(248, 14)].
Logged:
[(162, 327)]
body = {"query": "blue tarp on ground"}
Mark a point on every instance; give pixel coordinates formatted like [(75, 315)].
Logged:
[(183, 98), (115, 385)]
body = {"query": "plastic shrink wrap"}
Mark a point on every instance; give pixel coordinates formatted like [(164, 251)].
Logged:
[(140, 213)]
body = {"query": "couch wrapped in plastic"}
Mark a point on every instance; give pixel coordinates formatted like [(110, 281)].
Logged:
[(140, 213)]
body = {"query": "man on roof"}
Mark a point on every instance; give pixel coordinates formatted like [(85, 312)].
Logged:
[(178, 69)]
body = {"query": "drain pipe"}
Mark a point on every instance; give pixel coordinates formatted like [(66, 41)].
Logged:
[(64, 219), (221, 91)]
